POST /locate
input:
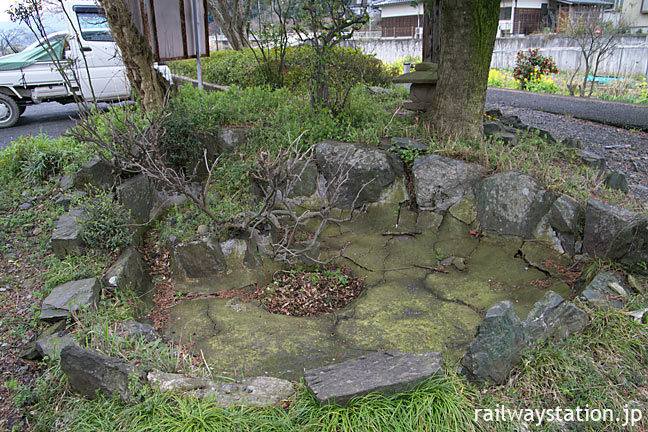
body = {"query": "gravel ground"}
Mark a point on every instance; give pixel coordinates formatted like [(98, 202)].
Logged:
[(626, 150)]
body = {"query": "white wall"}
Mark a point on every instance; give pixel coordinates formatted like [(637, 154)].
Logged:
[(630, 58), (403, 9), (632, 12)]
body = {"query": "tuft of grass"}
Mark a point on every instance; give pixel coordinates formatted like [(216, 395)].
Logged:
[(601, 368), (439, 404)]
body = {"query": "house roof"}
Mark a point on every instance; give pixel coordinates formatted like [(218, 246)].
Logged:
[(588, 2), (393, 2)]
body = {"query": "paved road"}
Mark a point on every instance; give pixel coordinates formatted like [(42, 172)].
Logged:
[(48, 118), (620, 114)]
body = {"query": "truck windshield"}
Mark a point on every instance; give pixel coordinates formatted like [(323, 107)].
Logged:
[(94, 26)]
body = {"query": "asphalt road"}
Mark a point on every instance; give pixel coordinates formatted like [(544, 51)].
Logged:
[(619, 114), (53, 119), (49, 118)]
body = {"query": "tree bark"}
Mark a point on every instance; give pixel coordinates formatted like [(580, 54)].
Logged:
[(432, 31), (468, 31), (232, 16), (136, 54)]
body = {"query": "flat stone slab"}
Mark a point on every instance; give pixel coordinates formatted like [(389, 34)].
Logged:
[(70, 297), (255, 391), (386, 372)]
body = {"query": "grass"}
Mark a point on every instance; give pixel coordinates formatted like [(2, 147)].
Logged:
[(439, 404), (598, 367), (626, 89)]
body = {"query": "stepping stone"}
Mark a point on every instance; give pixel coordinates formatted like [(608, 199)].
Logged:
[(386, 372), (70, 297)]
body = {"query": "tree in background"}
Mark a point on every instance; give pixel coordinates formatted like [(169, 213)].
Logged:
[(323, 25), (467, 39), (232, 16), (12, 41), (597, 39)]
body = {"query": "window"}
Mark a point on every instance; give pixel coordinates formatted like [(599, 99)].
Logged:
[(94, 26), (644, 6), (505, 13)]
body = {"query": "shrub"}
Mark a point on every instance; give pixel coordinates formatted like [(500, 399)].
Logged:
[(35, 158), (501, 78), (105, 224), (530, 66), (241, 68), (542, 84), (188, 124)]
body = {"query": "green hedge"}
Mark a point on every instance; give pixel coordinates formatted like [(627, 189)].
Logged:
[(241, 68)]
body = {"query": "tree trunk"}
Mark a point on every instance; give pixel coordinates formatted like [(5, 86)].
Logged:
[(468, 31), (432, 32), (136, 54), (232, 16)]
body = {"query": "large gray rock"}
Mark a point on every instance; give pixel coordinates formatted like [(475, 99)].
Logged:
[(370, 171), (306, 184), (441, 182), (630, 245), (501, 340), (31, 352), (90, 373), (497, 130), (592, 160), (602, 224), (70, 297), (138, 195), (129, 272), (66, 239), (408, 143), (554, 316), (618, 181), (511, 203), (256, 391), (51, 345), (198, 259), (566, 218), (566, 214), (386, 372), (599, 292), (96, 173), (231, 138), (137, 330)]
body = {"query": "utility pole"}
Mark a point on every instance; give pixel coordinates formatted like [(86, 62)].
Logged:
[(197, 42)]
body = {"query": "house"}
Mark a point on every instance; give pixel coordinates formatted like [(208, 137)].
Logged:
[(404, 18), (568, 11), (532, 16), (523, 17), (401, 18), (633, 12)]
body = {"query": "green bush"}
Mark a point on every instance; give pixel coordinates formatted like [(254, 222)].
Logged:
[(241, 68), (105, 224), (35, 158), (188, 124)]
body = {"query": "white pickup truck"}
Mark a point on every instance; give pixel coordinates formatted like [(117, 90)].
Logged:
[(31, 77)]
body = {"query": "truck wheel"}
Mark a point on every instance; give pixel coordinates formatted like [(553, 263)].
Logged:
[(9, 111)]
